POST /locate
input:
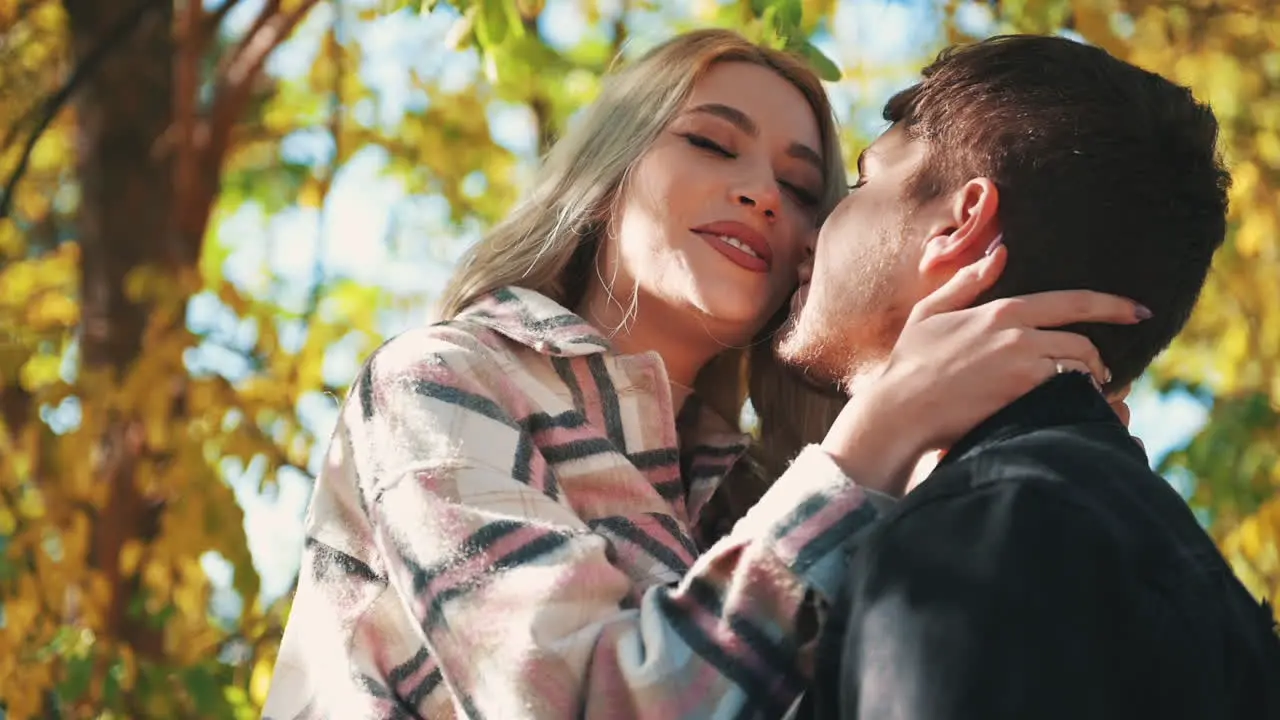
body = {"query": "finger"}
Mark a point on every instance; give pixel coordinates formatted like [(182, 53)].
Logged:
[(963, 288), (1066, 307), (1071, 347), (1067, 365)]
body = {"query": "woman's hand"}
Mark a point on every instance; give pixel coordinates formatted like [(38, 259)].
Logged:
[(954, 366)]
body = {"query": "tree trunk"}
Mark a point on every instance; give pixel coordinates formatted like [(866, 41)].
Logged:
[(125, 222)]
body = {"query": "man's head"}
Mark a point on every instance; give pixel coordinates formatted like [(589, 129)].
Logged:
[(1098, 174)]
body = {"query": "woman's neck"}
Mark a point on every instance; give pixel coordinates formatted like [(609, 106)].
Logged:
[(655, 327)]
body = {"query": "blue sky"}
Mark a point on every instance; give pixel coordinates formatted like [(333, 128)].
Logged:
[(376, 233)]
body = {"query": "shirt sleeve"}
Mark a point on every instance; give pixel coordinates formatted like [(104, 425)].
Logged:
[(997, 602), (440, 550)]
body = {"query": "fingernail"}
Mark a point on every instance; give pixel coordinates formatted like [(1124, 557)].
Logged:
[(991, 249), (1141, 311)]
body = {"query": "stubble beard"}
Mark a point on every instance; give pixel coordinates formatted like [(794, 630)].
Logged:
[(819, 356), (830, 355), (833, 357), (802, 360)]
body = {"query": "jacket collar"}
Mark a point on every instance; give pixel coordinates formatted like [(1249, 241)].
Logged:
[(535, 320), (1067, 399)]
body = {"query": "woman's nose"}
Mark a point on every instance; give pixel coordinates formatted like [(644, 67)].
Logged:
[(764, 200)]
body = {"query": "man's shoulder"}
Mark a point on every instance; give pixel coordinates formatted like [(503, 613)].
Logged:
[(1087, 482), (1003, 491), (1063, 468)]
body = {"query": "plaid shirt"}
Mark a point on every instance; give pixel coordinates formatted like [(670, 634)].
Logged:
[(504, 528)]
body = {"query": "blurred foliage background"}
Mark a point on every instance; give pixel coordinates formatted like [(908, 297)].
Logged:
[(211, 212)]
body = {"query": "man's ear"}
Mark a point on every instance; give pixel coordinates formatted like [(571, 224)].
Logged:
[(965, 227)]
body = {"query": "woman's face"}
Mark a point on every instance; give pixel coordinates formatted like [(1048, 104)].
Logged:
[(715, 216)]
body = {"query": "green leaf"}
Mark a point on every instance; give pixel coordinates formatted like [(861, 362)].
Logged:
[(789, 14), (111, 685), (514, 20), (780, 19), (79, 672), (769, 34), (824, 66), (491, 23), (204, 690)]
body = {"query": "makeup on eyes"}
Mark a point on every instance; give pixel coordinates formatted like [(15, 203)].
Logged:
[(803, 196)]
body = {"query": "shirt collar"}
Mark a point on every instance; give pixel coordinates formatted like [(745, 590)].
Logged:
[(535, 320)]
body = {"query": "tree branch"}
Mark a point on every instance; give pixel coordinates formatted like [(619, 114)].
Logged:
[(213, 21), (234, 87), (269, 9), (49, 109), (186, 73)]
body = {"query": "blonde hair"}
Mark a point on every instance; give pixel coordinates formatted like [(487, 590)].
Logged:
[(548, 242)]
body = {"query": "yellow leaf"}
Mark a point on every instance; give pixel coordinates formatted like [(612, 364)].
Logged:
[(11, 242), (31, 504), (40, 372), (17, 283), (1268, 147), (30, 202), (130, 556), (50, 152), (53, 310), (1252, 235), (260, 681), (312, 194), (1250, 537)]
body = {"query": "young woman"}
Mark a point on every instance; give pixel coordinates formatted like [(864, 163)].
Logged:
[(543, 506)]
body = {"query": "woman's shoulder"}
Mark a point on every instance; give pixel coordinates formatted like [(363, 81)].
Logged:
[(452, 367), (458, 343)]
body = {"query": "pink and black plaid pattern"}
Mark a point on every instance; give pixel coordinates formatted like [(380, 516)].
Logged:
[(503, 529)]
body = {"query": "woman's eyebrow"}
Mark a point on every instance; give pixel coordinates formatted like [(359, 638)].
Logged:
[(743, 122)]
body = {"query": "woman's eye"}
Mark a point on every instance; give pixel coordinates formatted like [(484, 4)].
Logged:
[(707, 144), (802, 196)]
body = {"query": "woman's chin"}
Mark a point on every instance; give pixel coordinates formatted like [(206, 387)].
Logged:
[(733, 323)]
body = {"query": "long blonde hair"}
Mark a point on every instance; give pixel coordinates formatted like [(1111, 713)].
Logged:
[(548, 242)]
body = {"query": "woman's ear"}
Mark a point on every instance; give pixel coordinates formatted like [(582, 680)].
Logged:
[(967, 226)]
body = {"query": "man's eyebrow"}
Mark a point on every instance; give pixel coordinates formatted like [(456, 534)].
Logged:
[(744, 123)]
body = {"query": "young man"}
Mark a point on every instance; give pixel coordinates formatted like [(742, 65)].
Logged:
[(1042, 570)]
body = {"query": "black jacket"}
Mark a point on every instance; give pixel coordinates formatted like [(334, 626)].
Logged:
[(1043, 571)]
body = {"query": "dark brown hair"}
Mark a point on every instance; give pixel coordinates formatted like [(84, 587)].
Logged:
[(1109, 176)]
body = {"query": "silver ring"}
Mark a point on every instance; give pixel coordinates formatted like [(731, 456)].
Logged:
[(1059, 367)]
